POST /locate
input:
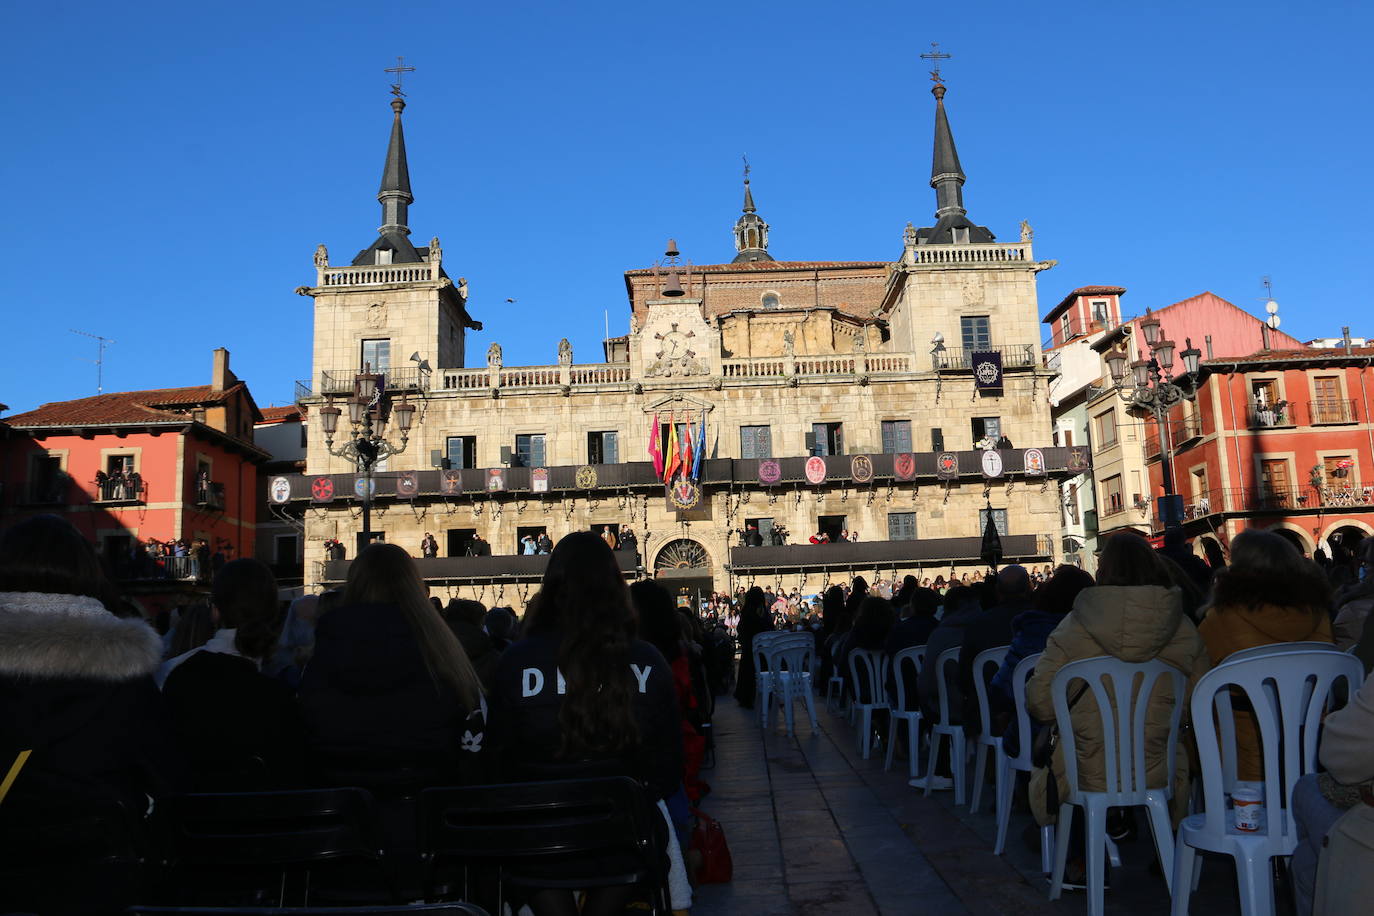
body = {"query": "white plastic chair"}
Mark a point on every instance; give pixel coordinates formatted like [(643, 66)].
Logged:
[(1008, 766), (1122, 693), (914, 659), (834, 693), (867, 666), (765, 685), (944, 728), (791, 661), (1288, 693), (988, 658), (1279, 648)]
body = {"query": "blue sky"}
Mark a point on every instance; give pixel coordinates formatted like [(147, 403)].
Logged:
[(171, 167)]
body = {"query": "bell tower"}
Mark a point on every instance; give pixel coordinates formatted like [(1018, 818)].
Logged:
[(751, 232), (393, 308)]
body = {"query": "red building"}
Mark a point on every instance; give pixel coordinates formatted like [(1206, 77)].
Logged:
[(130, 467), (1279, 439)]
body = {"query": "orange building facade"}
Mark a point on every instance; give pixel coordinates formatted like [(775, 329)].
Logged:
[(1280, 439), (129, 468)]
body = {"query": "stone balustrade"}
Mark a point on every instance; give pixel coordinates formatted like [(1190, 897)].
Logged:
[(376, 274), (956, 255)]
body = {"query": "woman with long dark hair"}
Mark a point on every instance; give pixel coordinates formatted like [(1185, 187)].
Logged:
[(754, 619), (389, 696), (580, 696)]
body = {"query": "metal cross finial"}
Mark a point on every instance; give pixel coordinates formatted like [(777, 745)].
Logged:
[(746, 168), (936, 55), (400, 70)]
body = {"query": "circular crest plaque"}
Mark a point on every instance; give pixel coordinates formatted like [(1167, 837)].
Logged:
[(280, 489), (322, 489), (992, 463), (585, 477), (684, 494), (770, 472), (987, 372), (904, 465), (861, 468), (815, 470)]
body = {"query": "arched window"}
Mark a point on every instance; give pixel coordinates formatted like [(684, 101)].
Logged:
[(771, 301)]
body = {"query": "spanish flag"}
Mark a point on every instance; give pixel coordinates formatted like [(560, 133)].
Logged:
[(672, 459)]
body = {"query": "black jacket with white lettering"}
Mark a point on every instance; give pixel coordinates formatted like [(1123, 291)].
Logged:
[(523, 727)]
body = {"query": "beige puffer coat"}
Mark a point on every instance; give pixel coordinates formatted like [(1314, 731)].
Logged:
[(1134, 624)]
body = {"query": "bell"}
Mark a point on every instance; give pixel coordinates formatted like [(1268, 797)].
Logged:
[(672, 251), (673, 286)]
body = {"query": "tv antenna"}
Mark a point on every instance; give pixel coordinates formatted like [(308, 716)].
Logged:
[(101, 344)]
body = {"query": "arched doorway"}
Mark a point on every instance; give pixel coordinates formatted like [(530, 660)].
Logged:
[(1294, 538), (1350, 538), (684, 568)]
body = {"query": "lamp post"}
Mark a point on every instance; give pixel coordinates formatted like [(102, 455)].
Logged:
[(366, 444), (1151, 387)]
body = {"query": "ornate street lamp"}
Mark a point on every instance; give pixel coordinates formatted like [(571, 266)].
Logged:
[(367, 444), (1151, 388)]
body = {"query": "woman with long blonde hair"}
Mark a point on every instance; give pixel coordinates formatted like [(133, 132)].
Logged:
[(389, 695)]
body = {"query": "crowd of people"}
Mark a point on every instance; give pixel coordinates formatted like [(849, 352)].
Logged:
[(381, 685), (1143, 604), (377, 684)]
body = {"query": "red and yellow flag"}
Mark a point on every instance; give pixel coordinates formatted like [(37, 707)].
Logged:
[(656, 445), (672, 459)]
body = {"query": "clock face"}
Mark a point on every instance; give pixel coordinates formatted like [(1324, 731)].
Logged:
[(674, 344)]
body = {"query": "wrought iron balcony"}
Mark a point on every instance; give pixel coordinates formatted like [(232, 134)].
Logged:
[(210, 495), (1327, 412), (340, 382), (119, 489), (961, 359)]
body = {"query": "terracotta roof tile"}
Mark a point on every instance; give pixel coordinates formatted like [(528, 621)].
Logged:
[(159, 405), (281, 414)]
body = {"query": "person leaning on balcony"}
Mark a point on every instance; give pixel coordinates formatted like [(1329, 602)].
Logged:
[(1269, 594), (82, 725)]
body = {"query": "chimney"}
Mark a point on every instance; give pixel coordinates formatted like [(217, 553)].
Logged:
[(220, 376)]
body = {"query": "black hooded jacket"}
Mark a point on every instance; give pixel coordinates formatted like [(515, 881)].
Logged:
[(525, 703)]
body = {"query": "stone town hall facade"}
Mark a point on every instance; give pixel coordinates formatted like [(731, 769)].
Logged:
[(874, 366)]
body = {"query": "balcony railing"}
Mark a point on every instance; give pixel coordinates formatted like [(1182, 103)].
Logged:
[(375, 275), (144, 567), (340, 382), (46, 492), (1182, 430), (1272, 416), (210, 495), (1278, 499), (119, 489), (1330, 412), (955, 255), (1017, 357)]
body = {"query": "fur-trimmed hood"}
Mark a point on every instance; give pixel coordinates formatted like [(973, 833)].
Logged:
[(1254, 589), (71, 636)]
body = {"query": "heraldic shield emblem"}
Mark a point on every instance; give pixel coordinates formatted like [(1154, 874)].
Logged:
[(585, 477), (904, 465), (407, 485), (280, 489), (451, 482), (861, 468), (947, 465), (1033, 462), (496, 480), (815, 470), (770, 472), (684, 494), (322, 489)]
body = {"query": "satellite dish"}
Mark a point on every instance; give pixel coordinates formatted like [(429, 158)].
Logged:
[(1272, 321)]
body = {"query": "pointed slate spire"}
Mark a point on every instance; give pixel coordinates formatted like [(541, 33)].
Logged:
[(946, 175), (952, 224), (751, 232), (395, 195)]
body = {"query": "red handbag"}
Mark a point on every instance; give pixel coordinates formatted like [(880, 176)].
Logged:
[(708, 841)]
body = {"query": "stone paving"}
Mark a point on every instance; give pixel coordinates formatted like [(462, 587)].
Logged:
[(813, 828)]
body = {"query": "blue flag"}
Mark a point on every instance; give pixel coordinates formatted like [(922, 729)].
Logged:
[(701, 449)]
